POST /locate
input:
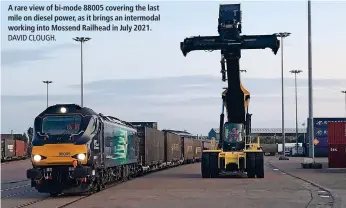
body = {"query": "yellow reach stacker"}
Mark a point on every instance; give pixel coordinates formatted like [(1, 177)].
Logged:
[(235, 152)]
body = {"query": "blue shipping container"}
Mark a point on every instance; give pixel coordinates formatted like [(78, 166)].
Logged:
[(321, 151), (322, 142), (323, 122), (321, 132)]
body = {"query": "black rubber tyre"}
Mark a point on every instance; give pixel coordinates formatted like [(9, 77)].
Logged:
[(259, 165), (251, 165), (316, 166), (214, 165), (306, 165)]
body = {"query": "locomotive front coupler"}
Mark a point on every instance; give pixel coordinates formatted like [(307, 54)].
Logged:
[(81, 171), (34, 174)]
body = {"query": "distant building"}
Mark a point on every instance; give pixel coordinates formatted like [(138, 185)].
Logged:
[(214, 133), (264, 133)]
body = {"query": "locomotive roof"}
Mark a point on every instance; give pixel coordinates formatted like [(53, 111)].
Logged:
[(70, 108), (116, 120)]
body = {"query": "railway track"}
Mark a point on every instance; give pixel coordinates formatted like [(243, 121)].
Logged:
[(67, 200)]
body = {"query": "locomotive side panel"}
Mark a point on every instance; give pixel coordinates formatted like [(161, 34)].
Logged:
[(119, 145)]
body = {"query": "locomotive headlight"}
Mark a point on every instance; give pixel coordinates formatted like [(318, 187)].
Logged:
[(63, 110), (37, 158), (81, 156)]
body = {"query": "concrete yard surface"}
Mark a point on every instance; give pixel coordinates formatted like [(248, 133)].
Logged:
[(331, 179), (181, 187)]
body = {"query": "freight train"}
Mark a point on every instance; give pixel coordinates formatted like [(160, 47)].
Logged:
[(76, 150), (13, 149)]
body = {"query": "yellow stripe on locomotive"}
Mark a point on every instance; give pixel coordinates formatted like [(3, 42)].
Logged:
[(59, 154)]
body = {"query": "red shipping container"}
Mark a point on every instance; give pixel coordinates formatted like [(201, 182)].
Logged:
[(337, 133), (337, 156), (20, 148)]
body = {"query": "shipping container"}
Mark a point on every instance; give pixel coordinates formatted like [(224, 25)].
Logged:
[(26, 146), (269, 149), (337, 156), (321, 132), (172, 147), (151, 146), (323, 122), (322, 142), (321, 151), (187, 148), (206, 145), (20, 150), (152, 125), (197, 148), (337, 133), (8, 148)]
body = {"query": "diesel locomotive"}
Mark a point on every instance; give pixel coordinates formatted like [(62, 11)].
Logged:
[(76, 150)]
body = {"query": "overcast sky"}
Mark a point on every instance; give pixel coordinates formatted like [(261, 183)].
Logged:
[(144, 76)]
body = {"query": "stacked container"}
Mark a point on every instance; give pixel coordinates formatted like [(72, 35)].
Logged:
[(337, 145)]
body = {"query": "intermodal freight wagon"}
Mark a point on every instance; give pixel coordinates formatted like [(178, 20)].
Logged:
[(13, 149)]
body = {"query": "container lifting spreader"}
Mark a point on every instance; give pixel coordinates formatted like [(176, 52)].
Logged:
[(236, 153)]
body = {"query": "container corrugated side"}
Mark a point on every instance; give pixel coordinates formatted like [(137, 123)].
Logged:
[(337, 156), (337, 133), (20, 148), (154, 146), (206, 145), (172, 147), (188, 148), (197, 148), (9, 148)]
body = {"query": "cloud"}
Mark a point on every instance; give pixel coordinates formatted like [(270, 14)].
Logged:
[(19, 56), (186, 102)]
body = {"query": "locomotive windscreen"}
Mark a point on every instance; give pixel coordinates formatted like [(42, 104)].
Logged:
[(56, 125)]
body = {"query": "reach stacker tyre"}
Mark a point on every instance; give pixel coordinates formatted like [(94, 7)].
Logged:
[(209, 165), (254, 164)]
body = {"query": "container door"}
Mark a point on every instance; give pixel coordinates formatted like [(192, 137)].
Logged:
[(337, 156)]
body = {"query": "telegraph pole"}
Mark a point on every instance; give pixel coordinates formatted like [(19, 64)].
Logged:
[(47, 82), (283, 35), (81, 40), (295, 72)]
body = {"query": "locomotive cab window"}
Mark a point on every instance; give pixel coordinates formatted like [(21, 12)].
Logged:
[(94, 125), (56, 125)]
